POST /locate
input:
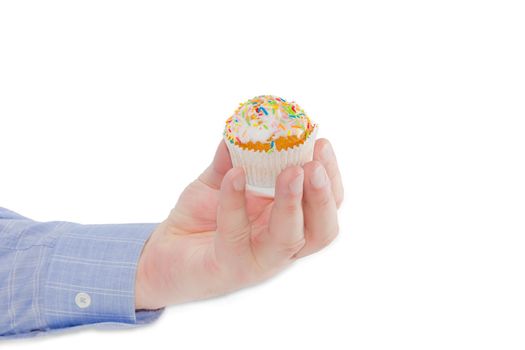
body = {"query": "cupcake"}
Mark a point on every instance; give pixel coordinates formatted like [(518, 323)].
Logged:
[(267, 134)]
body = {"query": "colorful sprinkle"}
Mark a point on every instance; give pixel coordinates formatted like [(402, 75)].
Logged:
[(253, 122)]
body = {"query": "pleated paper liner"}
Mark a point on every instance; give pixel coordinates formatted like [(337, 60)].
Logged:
[(262, 167)]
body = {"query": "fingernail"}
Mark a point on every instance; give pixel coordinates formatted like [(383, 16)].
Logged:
[(319, 178), (239, 182), (296, 185), (327, 153)]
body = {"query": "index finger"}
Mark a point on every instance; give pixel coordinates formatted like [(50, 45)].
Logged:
[(284, 236)]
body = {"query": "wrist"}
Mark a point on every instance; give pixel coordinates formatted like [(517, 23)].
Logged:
[(146, 297), (140, 295), (143, 292)]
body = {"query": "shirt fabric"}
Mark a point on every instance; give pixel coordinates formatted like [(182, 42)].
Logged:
[(59, 275)]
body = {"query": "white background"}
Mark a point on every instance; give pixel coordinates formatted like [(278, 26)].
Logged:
[(109, 108)]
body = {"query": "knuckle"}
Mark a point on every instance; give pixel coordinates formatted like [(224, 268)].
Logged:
[(328, 239), (290, 207), (321, 200), (324, 201), (323, 239), (291, 248), (237, 234)]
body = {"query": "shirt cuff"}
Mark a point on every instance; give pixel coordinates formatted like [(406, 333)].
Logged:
[(91, 276)]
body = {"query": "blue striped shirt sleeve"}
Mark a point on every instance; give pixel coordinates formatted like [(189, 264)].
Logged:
[(59, 275)]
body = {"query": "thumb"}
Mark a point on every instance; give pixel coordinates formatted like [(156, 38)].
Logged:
[(232, 242), (220, 165)]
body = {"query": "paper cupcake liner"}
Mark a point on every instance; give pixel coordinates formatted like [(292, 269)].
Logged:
[(262, 168)]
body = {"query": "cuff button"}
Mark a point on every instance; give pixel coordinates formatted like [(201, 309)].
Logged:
[(82, 300)]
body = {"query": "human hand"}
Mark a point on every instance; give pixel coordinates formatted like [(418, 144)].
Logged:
[(219, 237)]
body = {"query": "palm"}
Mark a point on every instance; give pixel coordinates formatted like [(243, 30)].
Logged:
[(192, 226), (185, 258), (218, 239)]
